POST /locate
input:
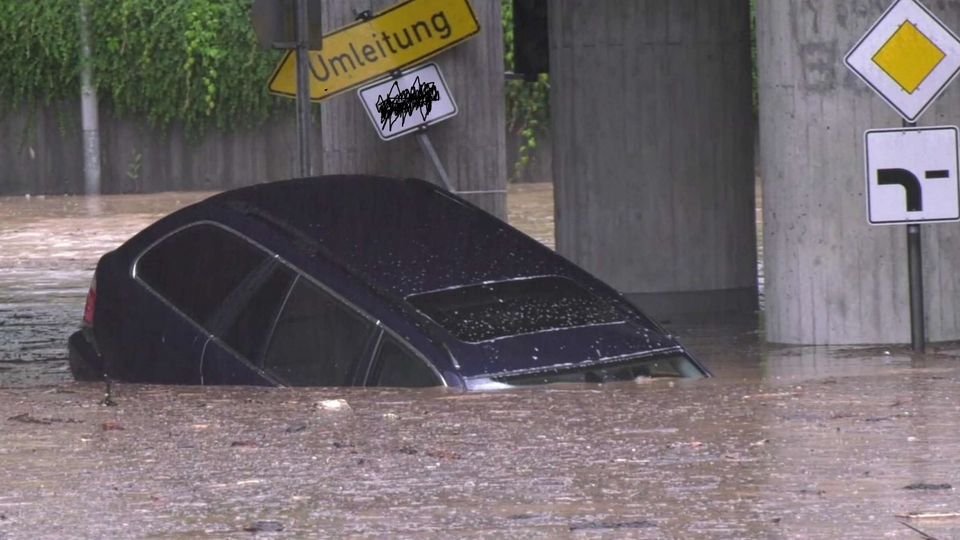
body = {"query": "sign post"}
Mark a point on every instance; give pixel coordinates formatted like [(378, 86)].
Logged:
[(918, 325), (408, 101), (286, 24), (915, 275), (431, 152), (909, 57), (373, 46), (912, 178), (403, 35), (303, 90)]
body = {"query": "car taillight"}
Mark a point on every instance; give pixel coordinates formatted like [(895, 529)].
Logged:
[(91, 305)]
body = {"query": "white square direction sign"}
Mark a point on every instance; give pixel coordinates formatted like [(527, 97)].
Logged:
[(416, 99), (908, 57), (912, 175)]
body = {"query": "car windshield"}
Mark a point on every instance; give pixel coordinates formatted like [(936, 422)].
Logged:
[(638, 369), (508, 308)]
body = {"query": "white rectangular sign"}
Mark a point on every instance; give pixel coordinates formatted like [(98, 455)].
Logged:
[(912, 175), (417, 99)]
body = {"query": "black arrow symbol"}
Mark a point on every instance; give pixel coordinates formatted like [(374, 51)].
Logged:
[(910, 183)]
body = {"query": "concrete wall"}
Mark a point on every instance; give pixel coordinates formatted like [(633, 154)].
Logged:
[(41, 153), (830, 277), (653, 148), (471, 145)]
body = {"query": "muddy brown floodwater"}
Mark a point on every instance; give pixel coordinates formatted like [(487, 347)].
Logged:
[(787, 442)]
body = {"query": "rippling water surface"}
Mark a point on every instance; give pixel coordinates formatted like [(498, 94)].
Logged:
[(787, 442)]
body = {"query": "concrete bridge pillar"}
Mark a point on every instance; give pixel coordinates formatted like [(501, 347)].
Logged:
[(830, 277), (472, 145), (653, 157)]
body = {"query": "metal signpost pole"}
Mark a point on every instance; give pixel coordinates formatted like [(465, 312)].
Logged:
[(303, 88), (89, 109), (382, 99), (431, 152), (915, 275), (917, 331), (909, 57)]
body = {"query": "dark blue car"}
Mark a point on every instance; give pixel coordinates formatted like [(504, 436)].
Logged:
[(356, 280)]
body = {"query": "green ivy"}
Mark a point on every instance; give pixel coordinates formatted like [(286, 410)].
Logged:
[(38, 50), (753, 55), (193, 62), (527, 103)]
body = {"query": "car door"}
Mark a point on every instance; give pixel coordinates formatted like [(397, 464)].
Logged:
[(234, 354), (182, 282), (318, 339)]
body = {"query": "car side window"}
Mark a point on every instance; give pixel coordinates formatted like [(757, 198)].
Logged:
[(318, 341), (196, 268), (246, 333), (396, 366)]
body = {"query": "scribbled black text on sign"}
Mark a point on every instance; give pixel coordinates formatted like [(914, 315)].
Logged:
[(398, 105)]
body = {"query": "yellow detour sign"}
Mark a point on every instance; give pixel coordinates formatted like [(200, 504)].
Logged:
[(404, 34)]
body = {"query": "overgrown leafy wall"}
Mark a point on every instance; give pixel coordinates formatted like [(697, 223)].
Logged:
[(193, 66), (527, 103), (194, 61)]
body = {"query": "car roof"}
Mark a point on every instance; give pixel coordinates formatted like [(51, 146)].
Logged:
[(401, 236)]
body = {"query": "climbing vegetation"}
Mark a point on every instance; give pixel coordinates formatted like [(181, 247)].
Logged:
[(194, 62), (527, 103)]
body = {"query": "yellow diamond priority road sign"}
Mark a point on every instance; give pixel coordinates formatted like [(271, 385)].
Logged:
[(908, 56), (407, 33)]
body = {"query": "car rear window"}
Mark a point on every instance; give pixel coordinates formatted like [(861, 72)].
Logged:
[(509, 308)]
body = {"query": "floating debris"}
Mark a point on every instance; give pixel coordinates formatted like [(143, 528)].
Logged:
[(26, 418), (601, 525), (296, 427), (264, 526), (929, 515), (333, 405), (927, 487)]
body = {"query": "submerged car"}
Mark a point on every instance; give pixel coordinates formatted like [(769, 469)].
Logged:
[(356, 281)]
